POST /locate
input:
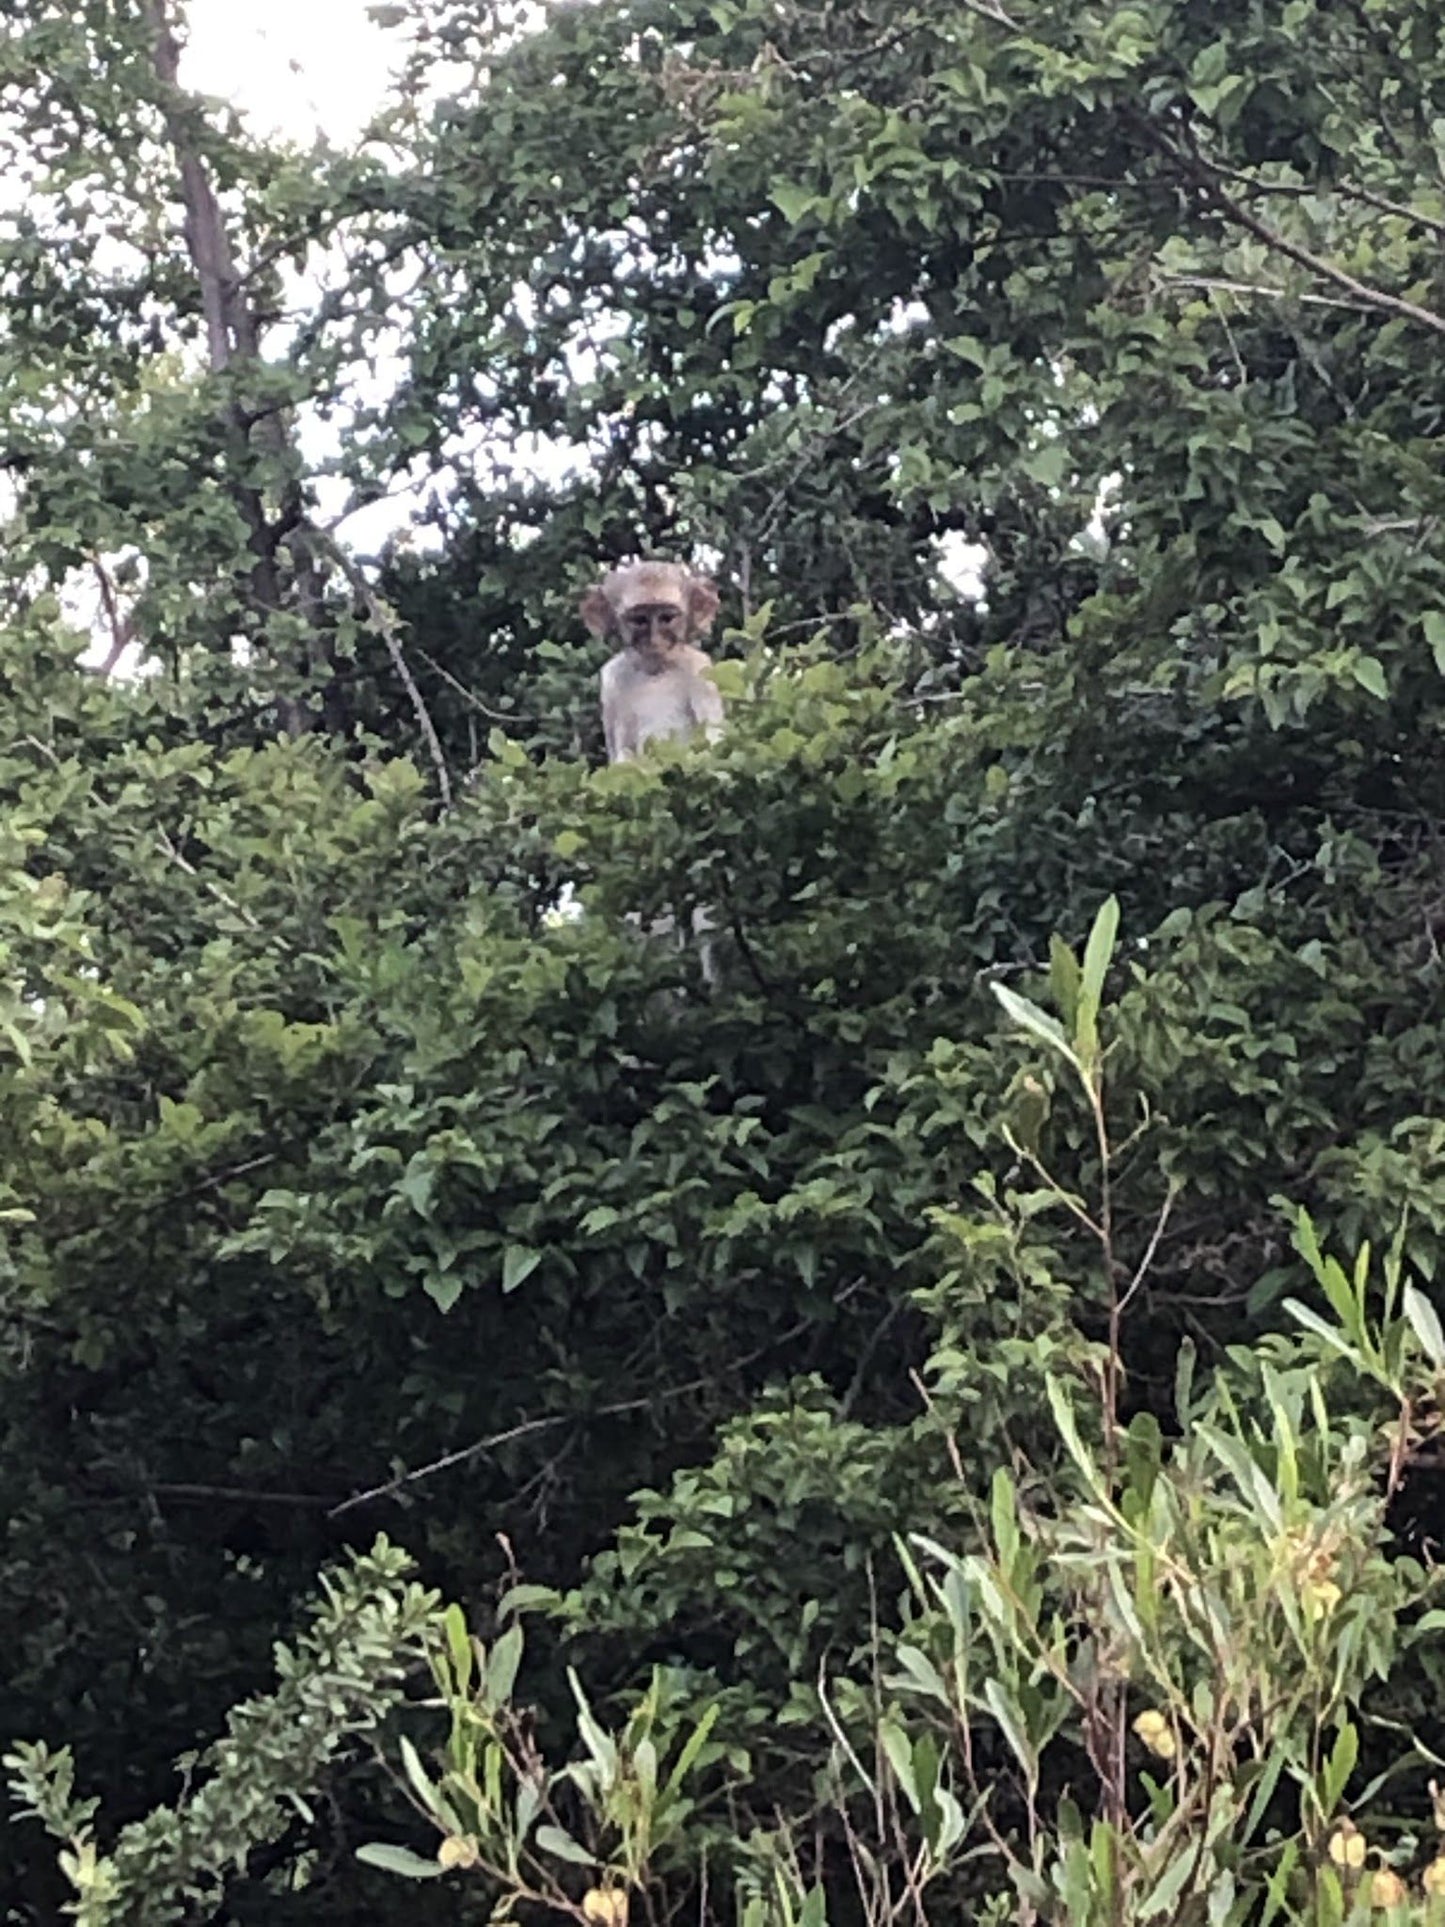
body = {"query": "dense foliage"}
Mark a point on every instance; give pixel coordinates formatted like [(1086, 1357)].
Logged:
[(874, 1374)]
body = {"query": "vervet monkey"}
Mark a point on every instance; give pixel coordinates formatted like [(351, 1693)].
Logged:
[(657, 684)]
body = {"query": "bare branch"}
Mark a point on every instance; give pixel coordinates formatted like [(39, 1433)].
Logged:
[(384, 621)]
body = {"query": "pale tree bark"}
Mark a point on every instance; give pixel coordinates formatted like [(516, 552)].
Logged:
[(232, 336)]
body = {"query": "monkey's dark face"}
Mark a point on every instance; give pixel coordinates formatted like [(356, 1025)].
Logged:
[(654, 630)]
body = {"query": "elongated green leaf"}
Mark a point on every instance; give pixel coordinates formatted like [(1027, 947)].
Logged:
[(398, 1860), (529, 1805), (1037, 1022), (692, 1746), (1069, 1432), (552, 1840), (425, 1788), (599, 1744), (1278, 1890), (1312, 1321), (1097, 954), (1425, 1323), (1004, 1518), (1011, 1723), (1162, 1896), (502, 1663), (894, 1742), (1338, 1768), (1065, 980), (1264, 1791), (459, 1644), (922, 1673), (1254, 1487)]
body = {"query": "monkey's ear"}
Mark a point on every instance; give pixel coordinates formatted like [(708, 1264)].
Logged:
[(701, 603), (597, 610)]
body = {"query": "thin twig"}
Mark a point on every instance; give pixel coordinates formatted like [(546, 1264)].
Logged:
[(986, 10), (533, 1425), (1220, 284), (473, 1451), (309, 1500), (1146, 1262), (1304, 190), (492, 715), (1208, 175), (224, 897), (1317, 264), (384, 621)]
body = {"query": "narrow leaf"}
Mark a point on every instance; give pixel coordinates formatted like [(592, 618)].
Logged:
[(692, 1746), (553, 1840), (398, 1860), (1425, 1323), (1010, 1719), (506, 1657), (1038, 1022), (1097, 954)]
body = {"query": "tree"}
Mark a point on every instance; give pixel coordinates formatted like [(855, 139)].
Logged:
[(369, 1189)]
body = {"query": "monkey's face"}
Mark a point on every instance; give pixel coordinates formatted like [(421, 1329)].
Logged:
[(654, 631)]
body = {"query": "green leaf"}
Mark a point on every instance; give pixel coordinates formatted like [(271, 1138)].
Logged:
[(1006, 1711), (1278, 1890), (1425, 1323), (518, 1263), (1369, 673), (1004, 1515), (922, 1673), (599, 1744), (553, 1840), (792, 201), (1069, 1432), (1037, 1022), (1097, 954), (443, 1288), (398, 1860), (502, 1663), (900, 1757), (814, 1911), (1338, 1768), (692, 1746), (459, 1644), (1065, 977)]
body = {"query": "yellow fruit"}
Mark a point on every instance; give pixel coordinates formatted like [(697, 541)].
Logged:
[(1433, 1878), (1156, 1733), (1387, 1889), (1347, 1846), (605, 1906), (1320, 1596), (458, 1850)]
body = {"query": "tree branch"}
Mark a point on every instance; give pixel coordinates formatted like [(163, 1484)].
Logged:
[(1208, 176), (384, 621)]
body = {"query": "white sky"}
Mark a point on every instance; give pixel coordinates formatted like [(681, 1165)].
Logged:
[(293, 66)]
